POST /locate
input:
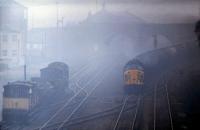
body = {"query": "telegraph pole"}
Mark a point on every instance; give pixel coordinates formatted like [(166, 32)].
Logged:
[(25, 71), (104, 5), (57, 20), (44, 40), (32, 17), (96, 5), (155, 42), (57, 15)]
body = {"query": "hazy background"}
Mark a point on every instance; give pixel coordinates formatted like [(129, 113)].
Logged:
[(42, 13)]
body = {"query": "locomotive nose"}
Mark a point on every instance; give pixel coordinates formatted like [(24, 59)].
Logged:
[(133, 77)]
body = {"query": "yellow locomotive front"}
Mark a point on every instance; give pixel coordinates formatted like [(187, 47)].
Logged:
[(18, 99), (133, 77)]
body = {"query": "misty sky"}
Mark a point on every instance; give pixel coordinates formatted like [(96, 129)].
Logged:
[(42, 13)]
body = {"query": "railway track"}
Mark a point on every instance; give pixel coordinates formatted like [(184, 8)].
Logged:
[(84, 73), (60, 116), (76, 77), (70, 120), (162, 113), (12, 127), (83, 119), (81, 74), (78, 107), (126, 120)]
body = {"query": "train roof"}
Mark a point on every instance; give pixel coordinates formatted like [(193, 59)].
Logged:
[(134, 63), (21, 84), (57, 65)]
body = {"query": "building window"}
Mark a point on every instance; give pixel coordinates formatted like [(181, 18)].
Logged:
[(14, 52), (14, 38), (4, 52), (5, 38)]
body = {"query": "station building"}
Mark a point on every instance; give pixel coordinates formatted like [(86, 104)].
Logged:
[(13, 33)]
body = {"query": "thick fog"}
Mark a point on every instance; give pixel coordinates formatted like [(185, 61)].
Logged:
[(154, 11), (74, 30), (94, 38)]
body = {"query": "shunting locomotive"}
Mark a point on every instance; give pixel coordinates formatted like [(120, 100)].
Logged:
[(133, 77), (18, 99)]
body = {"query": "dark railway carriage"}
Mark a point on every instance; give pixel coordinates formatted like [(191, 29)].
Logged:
[(18, 99), (57, 74), (133, 77)]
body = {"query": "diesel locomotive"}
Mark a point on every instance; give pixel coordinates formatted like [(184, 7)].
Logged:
[(18, 99), (133, 77)]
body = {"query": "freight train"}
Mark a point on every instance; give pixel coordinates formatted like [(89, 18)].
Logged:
[(133, 77), (21, 97)]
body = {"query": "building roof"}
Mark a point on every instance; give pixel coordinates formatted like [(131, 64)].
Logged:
[(13, 3), (105, 16)]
